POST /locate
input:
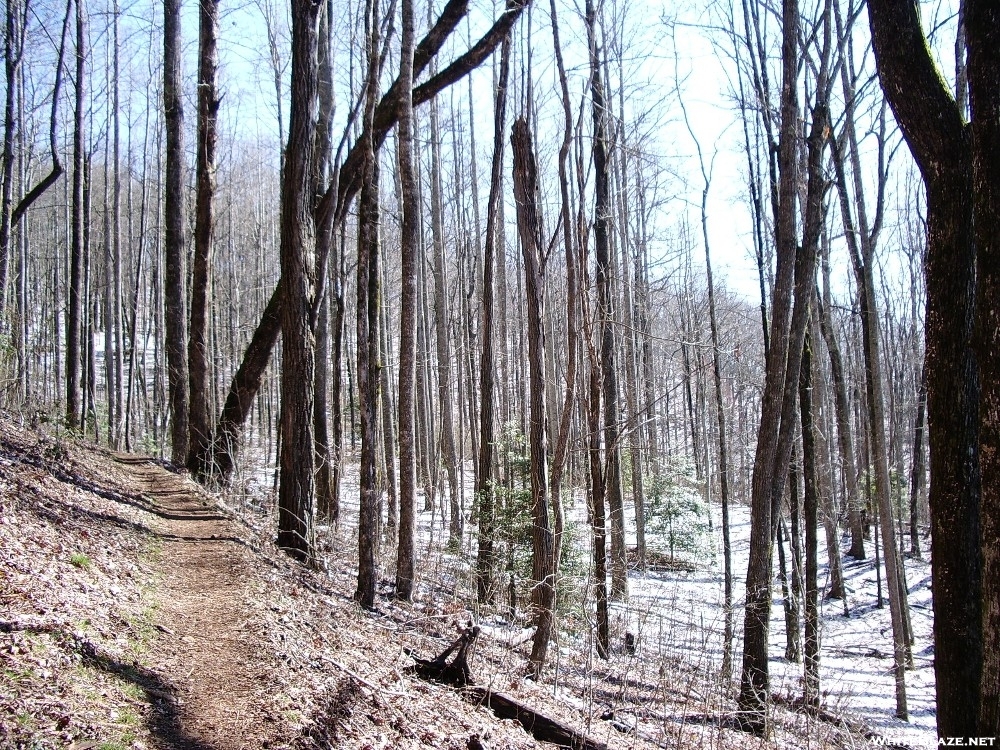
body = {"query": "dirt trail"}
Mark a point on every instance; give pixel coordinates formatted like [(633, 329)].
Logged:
[(209, 648)]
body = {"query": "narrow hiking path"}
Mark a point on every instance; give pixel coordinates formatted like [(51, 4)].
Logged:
[(209, 647)]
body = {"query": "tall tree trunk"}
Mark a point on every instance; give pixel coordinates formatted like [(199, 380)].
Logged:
[(75, 303), (811, 694), (296, 485), (526, 201), (918, 466), (175, 252), (444, 389), (933, 128), (781, 363), (407, 316), (845, 439), (603, 280), (204, 230), (326, 272), (983, 26), (367, 293), (485, 498), (572, 304)]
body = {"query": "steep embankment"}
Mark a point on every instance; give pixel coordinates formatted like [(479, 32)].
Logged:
[(135, 612)]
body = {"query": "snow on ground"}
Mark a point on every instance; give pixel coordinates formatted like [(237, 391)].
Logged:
[(681, 613), (677, 616)]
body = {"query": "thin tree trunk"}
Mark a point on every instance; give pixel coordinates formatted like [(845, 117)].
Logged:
[(75, 304), (486, 558), (917, 468), (572, 326), (204, 231), (444, 389), (407, 316), (811, 694), (606, 322), (542, 583), (367, 330)]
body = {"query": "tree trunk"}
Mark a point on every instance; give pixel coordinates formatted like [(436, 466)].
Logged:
[(204, 230), (485, 561), (811, 695), (782, 362), (444, 389), (367, 330), (526, 198), (75, 303), (983, 27), (932, 126), (603, 280), (174, 246), (918, 466), (407, 316), (845, 439), (296, 486)]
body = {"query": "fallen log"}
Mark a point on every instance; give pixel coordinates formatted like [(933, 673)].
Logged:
[(458, 674), (543, 728)]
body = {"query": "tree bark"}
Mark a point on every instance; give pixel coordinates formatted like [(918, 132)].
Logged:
[(407, 315), (442, 345), (204, 229), (526, 201), (367, 293), (485, 561), (782, 362), (75, 303), (983, 29), (811, 695), (175, 275), (605, 312), (940, 143), (296, 486)]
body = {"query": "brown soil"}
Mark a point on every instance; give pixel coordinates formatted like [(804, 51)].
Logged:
[(210, 648)]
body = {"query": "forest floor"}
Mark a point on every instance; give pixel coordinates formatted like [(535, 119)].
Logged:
[(138, 611)]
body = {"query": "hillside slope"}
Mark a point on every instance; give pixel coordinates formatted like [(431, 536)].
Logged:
[(137, 611)]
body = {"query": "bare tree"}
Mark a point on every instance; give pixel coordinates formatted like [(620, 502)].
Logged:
[(484, 475), (367, 294), (296, 488), (204, 233), (74, 308), (611, 475), (526, 199), (407, 312)]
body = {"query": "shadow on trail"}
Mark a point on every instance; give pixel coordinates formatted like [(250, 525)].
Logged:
[(164, 721)]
